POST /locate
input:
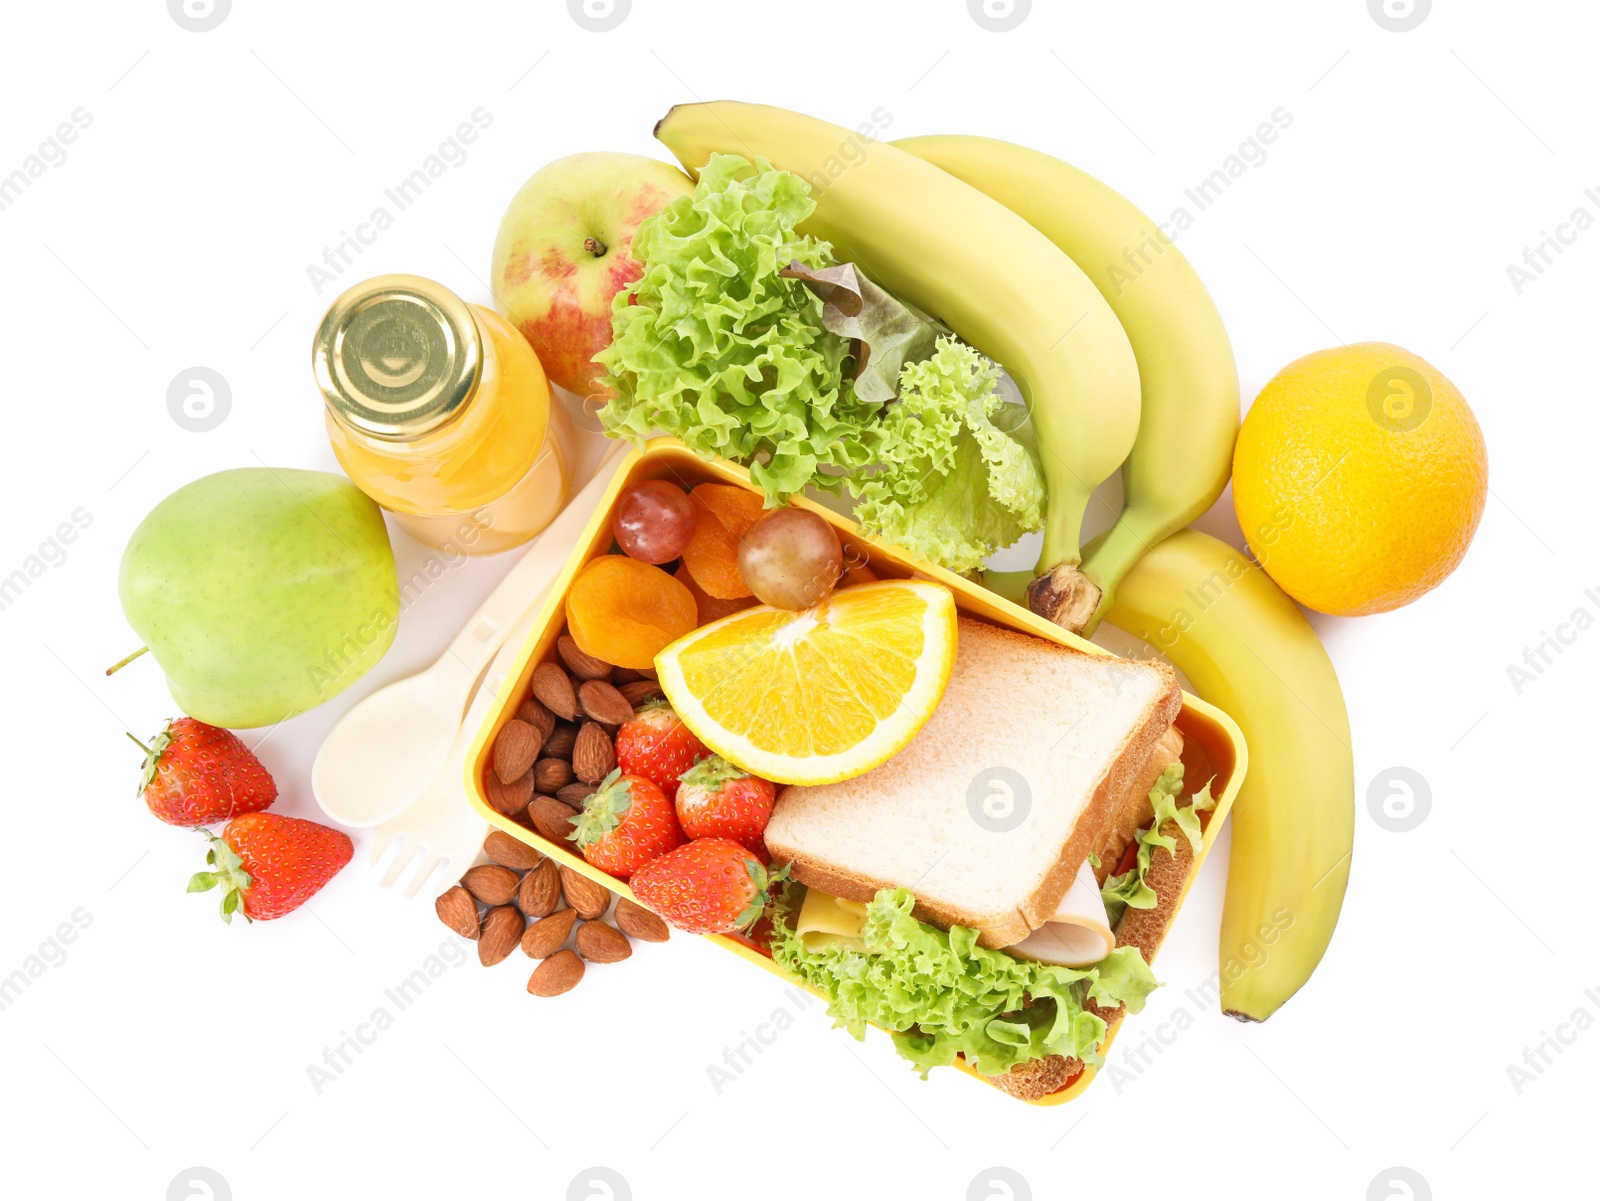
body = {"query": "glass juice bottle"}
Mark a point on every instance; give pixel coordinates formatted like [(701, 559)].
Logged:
[(440, 411)]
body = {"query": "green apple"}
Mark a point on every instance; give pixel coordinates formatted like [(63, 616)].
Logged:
[(262, 592), (563, 250)]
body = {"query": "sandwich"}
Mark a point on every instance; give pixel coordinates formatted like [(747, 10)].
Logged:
[(996, 890)]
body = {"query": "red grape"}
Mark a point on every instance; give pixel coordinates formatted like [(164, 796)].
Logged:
[(790, 558), (652, 521)]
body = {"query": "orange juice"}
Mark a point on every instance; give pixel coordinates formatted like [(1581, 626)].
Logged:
[(440, 411)]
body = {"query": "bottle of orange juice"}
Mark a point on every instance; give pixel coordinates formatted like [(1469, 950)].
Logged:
[(440, 411)]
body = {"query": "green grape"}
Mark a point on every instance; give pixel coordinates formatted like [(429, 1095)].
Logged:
[(790, 558)]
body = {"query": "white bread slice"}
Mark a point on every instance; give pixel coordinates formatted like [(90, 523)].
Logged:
[(1076, 729)]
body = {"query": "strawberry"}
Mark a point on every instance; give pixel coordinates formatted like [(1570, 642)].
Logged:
[(269, 865), (197, 775), (625, 824), (709, 886), (658, 746), (718, 800)]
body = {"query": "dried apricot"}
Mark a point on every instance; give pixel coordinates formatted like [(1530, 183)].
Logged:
[(623, 611), (857, 566), (737, 508), (710, 607), (723, 512)]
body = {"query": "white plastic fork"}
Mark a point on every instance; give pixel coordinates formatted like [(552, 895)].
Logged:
[(441, 825), (378, 756)]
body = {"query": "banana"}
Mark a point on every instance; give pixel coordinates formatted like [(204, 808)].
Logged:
[(1249, 650), (980, 268), (1181, 460)]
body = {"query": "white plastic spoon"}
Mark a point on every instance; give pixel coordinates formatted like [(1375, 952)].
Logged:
[(383, 753)]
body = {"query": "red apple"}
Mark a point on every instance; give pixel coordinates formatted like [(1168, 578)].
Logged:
[(563, 250)]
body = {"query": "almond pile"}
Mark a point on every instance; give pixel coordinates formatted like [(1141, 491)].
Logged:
[(520, 898), (546, 761), (548, 758)]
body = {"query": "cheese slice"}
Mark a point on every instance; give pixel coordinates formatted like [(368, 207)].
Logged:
[(1078, 934), (829, 921)]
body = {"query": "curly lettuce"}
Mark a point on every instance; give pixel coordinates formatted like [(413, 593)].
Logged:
[(713, 345), (943, 995), (1129, 890), (960, 475)]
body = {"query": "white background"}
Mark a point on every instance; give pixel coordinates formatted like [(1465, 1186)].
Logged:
[(178, 232)]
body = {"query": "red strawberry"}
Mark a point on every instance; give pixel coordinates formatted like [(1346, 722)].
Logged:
[(269, 865), (718, 800), (657, 746), (196, 775), (625, 824), (710, 886)]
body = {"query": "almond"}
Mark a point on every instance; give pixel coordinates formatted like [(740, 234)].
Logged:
[(584, 666), (604, 703), (575, 794), (638, 922), (502, 931), (491, 883), (556, 975), (537, 716), (458, 910), (544, 937), (600, 943), (508, 799), (593, 756), (629, 675), (549, 817), (638, 692), (540, 890), (515, 749), (551, 774), (552, 688), (510, 851), (559, 744), (584, 895)]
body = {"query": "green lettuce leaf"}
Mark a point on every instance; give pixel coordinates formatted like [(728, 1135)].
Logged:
[(1129, 890), (1123, 977), (959, 475), (713, 345), (943, 995)]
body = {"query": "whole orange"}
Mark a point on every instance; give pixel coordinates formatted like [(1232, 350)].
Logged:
[(1359, 477)]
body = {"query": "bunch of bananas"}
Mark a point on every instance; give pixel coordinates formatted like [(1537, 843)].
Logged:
[(1122, 357)]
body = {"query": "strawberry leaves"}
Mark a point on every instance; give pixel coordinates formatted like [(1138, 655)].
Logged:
[(711, 773), (764, 882), (152, 756), (604, 810), (229, 873)]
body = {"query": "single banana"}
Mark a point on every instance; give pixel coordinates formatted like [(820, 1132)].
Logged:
[(974, 264), (1249, 650), (1190, 416)]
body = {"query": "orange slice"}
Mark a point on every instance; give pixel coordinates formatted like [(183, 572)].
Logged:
[(821, 694)]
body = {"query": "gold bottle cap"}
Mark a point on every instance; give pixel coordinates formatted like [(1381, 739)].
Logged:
[(397, 356)]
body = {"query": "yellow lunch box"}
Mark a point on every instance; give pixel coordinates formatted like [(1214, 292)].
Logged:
[(1210, 731)]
